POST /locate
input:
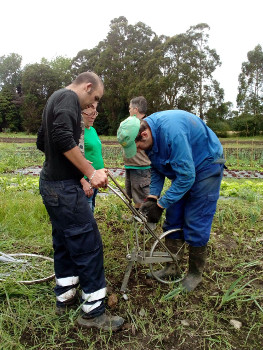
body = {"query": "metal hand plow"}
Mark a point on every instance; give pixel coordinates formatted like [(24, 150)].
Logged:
[(157, 255)]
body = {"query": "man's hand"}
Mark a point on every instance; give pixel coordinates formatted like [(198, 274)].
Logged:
[(87, 188), (151, 210), (99, 178)]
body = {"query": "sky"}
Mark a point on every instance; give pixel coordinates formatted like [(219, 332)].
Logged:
[(51, 28)]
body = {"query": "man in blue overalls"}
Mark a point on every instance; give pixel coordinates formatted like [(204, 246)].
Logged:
[(182, 148)]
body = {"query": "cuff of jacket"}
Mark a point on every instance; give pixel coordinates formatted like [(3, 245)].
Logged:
[(163, 202)]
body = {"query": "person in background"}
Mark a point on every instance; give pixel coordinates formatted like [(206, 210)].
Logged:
[(182, 148), (138, 167), (77, 243), (92, 151)]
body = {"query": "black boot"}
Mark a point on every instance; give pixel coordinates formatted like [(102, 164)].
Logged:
[(197, 258), (171, 269)]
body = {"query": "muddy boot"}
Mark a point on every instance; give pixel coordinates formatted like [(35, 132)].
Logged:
[(104, 322), (171, 269), (197, 258)]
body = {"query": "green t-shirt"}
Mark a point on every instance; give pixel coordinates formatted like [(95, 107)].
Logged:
[(93, 148)]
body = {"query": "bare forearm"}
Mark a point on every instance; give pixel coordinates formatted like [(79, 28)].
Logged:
[(98, 178)]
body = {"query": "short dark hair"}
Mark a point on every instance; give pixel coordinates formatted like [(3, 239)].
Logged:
[(140, 103), (143, 126), (88, 77)]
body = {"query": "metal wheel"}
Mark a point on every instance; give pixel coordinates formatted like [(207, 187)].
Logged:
[(26, 268), (157, 253)]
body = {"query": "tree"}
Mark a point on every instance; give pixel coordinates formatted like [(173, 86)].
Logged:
[(10, 71), (217, 118), (124, 66), (204, 61), (247, 124), (176, 70), (86, 60), (250, 90), (10, 92), (187, 69), (9, 111), (39, 81), (62, 67)]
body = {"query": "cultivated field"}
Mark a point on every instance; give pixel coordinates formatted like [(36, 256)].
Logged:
[(224, 312)]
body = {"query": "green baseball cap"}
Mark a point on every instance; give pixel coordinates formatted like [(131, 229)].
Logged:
[(126, 135)]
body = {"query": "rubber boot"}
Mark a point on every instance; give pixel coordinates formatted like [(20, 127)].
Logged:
[(171, 269), (197, 258)]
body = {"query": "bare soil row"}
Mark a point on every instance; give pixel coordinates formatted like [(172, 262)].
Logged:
[(32, 140)]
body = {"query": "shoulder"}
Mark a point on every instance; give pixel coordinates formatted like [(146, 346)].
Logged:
[(66, 96), (93, 130)]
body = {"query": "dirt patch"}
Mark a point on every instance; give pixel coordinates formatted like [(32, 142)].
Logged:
[(112, 142), (33, 140)]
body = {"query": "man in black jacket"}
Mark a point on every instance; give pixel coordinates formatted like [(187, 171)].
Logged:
[(78, 251)]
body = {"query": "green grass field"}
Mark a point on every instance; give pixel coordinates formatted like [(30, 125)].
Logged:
[(224, 312)]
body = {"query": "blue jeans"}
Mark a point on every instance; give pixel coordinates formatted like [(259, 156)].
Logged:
[(194, 212), (91, 200), (78, 251)]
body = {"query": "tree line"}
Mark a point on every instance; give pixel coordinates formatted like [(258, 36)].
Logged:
[(171, 72)]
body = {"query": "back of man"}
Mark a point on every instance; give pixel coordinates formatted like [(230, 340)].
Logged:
[(183, 147), (60, 132)]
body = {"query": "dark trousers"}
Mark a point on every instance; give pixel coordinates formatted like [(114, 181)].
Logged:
[(78, 251)]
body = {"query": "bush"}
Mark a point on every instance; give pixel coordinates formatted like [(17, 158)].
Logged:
[(220, 127), (248, 125)]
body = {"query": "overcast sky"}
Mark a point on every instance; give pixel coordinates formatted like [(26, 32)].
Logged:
[(36, 29)]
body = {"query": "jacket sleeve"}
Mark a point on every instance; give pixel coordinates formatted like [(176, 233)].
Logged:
[(64, 124), (157, 182), (40, 139), (181, 162)]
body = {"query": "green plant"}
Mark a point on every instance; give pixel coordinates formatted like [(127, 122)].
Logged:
[(235, 292)]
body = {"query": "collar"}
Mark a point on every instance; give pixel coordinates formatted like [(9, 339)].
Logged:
[(154, 148)]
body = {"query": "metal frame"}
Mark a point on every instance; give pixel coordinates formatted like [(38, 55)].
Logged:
[(21, 260), (141, 255)]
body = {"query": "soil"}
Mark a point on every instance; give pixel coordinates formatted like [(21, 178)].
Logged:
[(237, 174), (33, 140), (108, 142)]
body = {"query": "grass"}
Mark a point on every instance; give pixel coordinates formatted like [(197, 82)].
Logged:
[(232, 287), (16, 156), (238, 156), (17, 135)]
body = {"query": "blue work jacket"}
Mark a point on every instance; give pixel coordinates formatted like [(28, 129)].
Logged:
[(183, 146)]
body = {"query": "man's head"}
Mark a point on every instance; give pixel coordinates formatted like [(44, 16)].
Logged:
[(89, 88), (134, 135), (138, 106)]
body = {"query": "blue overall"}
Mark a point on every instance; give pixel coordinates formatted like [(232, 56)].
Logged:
[(78, 251), (194, 212), (187, 152)]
